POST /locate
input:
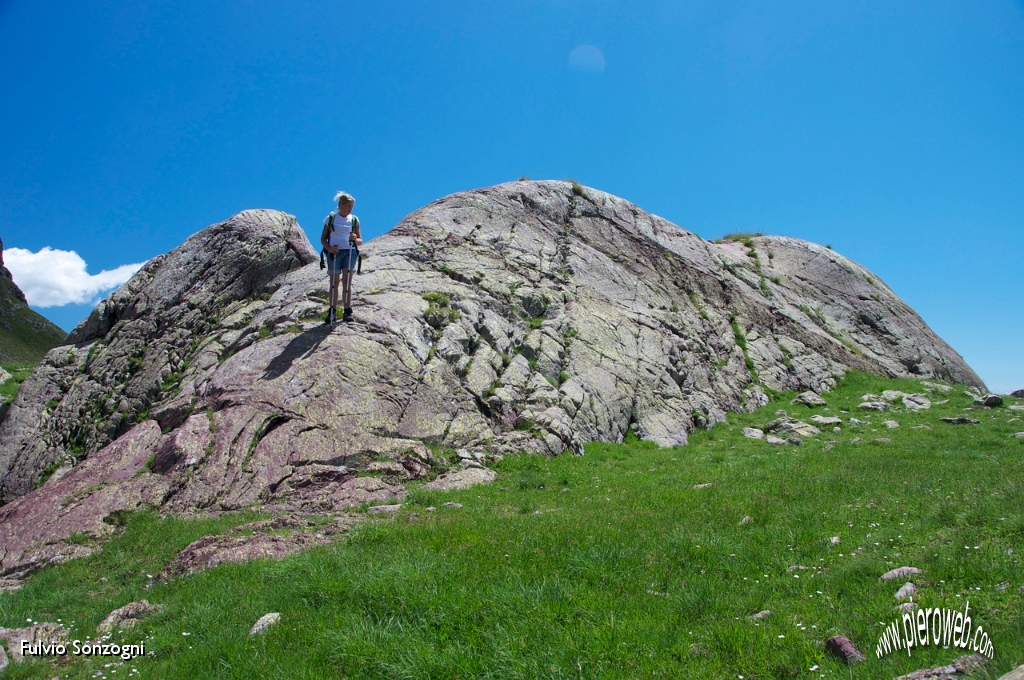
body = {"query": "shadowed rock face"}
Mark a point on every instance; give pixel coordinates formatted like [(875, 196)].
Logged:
[(523, 317)]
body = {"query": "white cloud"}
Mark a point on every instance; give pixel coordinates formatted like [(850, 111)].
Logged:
[(52, 278), (587, 58)]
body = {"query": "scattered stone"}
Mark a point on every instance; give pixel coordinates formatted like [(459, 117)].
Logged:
[(906, 592), (264, 622), (461, 479), (809, 399), (826, 420), (4, 375), (883, 440), (858, 421), (38, 633), (922, 426), (469, 463), (899, 572), (3, 658), (384, 509), (796, 567), (799, 428), (1016, 407), (960, 420), (917, 402), (1019, 435), (1018, 672), (430, 508), (1017, 393), (891, 424), (844, 650), (892, 395), (874, 406), (962, 666), (774, 441), (989, 400), (938, 387), (452, 504), (702, 486), (761, 615), (795, 441), (834, 540), (747, 519), (856, 440), (837, 429), (127, 616), (753, 433), (906, 607)]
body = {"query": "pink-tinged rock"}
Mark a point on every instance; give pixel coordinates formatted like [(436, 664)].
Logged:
[(240, 546), (843, 649), (33, 528)]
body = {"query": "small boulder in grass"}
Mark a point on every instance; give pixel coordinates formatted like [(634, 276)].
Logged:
[(809, 399), (127, 616), (965, 665), (264, 622), (899, 572), (1018, 672), (989, 400), (761, 615), (1017, 393), (906, 592), (844, 650), (753, 433), (960, 420)]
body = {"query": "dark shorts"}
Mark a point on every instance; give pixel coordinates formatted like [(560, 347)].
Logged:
[(342, 261)]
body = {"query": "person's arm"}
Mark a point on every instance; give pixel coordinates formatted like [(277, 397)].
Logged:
[(357, 237), (325, 242)]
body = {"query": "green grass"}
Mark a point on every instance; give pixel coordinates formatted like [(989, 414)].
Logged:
[(19, 373), (610, 565)]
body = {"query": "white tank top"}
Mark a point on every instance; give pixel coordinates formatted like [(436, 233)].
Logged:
[(342, 231)]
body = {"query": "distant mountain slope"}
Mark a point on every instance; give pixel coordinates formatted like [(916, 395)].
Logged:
[(25, 336)]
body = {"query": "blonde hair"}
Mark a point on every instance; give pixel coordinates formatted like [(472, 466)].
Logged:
[(344, 196)]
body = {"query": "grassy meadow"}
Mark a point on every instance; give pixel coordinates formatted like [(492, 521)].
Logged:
[(630, 561)]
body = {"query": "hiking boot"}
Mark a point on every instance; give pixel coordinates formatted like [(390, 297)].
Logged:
[(348, 314), (332, 316)]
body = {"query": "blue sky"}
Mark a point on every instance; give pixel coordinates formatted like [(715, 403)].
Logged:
[(889, 130)]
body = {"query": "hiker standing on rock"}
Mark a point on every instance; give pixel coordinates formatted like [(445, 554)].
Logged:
[(341, 239)]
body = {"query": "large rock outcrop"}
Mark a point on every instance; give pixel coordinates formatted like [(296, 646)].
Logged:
[(526, 317)]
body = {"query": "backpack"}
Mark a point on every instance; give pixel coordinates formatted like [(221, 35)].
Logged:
[(355, 225)]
